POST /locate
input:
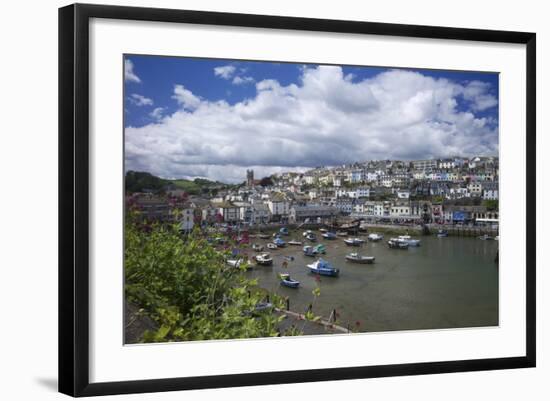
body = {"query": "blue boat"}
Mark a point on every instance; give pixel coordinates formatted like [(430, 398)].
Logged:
[(309, 251), (323, 268), (283, 231), (329, 235), (288, 282), (279, 242)]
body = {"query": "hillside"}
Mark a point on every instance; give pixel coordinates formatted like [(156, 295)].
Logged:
[(140, 181)]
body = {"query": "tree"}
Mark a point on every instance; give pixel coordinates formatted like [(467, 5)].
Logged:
[(266, 182), (491, 204), (185, 287)]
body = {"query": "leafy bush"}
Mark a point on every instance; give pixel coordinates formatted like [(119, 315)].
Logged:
[(185, 286)]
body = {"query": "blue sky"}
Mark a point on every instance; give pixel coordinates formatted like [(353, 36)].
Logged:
[(213, 118)]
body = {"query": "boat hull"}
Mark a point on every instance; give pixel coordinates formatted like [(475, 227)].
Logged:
[(325, 272), (364, 261)]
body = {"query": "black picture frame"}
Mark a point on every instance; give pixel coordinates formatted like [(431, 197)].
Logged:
[(74, 198)]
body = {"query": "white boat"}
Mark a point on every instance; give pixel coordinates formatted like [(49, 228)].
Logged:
[(353, 241), (257, 247), (356, 258), (264, 259), (294, 242), (398, 243), (375, 237), (323, 268), (306, 233), (271, 246), (237, 263), (485, 237), (408, 239)]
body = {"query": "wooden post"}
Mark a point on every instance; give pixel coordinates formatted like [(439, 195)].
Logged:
[(287, 303)]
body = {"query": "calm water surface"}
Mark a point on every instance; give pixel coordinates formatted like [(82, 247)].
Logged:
[(445, 283)]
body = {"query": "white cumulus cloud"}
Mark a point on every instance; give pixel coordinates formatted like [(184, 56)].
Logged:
[(186, 98), (140, 100), (225, 71), (129, 75), (325, 119), (157, 113)]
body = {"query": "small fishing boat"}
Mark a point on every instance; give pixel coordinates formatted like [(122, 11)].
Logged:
[(264, 259), (271, 246), (323, 230), (309, 251), (442, 233), (279, 242), (312, 237), (264, 236), (408, 239), (353, 241), (294, 242), (289, 258), (283, 231), (306, 233), (397, 243), (374, 237), (485, 237), (329, 235), (257, 247), (238, 263), (356, 258), (287, 281), (342, 233), (323, 268), (320, 248)]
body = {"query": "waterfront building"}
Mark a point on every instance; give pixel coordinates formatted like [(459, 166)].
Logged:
[(299, 214), (278, 207)]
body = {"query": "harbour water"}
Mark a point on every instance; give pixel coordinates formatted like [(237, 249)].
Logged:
[(445, 283)]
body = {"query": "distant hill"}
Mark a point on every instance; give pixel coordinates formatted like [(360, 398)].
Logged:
[(140, 181)]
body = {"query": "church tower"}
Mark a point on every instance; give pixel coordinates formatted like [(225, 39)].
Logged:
[(250, 178)]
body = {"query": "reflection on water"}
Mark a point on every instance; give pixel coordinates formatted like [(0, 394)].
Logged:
[(445, 283)]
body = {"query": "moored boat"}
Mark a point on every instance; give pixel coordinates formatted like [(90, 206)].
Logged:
[(342, 233), (329, 235), (408, 239), (356, 258), (294, 242), (353, 241), (442, 233), (264, 259), (374, 237), (279, 242), (283, 231), (309, 251), (239, 263), (485, 237), (323, 268), (397, 243), (287, 281), (320, 248), (264, 236), (257, 247), (271, 246), (312, 237)]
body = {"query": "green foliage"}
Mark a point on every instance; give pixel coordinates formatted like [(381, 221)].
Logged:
[(138, 181), (184, 285), (491, 204)]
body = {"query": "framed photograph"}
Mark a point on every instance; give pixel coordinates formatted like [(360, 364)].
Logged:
[(251, 199)]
